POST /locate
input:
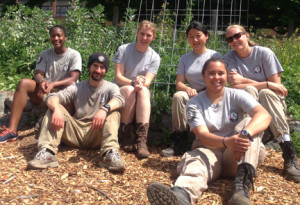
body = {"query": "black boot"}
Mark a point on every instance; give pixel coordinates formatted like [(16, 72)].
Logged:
[(159, 194), (291, 166), (241, 185), (181, 143), (127, 137)]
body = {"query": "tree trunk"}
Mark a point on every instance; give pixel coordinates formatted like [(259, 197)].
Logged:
[(54, 8)]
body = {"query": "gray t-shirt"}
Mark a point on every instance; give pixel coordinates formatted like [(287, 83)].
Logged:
[(190, 65), (220, 118), (261, 64), (136, 63), (58, 67), (88, 100)]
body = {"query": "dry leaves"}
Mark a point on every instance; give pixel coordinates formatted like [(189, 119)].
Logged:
[(79, 179)]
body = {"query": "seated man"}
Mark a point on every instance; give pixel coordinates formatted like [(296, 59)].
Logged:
[(56, 68), (95, 123)]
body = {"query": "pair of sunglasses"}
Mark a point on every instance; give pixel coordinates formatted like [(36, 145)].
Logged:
[(235, 36)]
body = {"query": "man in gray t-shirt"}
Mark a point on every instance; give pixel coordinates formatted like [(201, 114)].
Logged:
[(94, 124), (56, 68)]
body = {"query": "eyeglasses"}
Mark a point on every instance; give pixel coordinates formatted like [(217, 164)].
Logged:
[(235, 36)]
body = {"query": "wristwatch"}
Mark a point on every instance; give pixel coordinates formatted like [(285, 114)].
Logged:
[(133, 83), (247, 134), (107, 106)]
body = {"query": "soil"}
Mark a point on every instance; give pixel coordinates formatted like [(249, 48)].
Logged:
[(80, 180)]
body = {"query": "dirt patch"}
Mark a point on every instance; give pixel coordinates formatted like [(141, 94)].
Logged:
[(79, 179)]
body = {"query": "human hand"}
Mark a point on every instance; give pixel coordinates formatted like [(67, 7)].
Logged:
[(43, 87), (99, 119), (50, 86), (277, 88), (191, 92), (235, 79), (238, 145), (57, 121)]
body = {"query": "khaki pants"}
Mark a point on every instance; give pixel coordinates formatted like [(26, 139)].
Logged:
[(79, 134), (203, 165), (276, 107), (179, 119)]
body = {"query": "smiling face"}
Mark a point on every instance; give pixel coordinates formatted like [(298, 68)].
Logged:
[(197, 40), (215, 76), (237, 43), (144, 37), (97, 71), (58, 38)]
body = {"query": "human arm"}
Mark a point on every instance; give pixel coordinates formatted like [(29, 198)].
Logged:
[(181, 86), (57, 120), (273, 83), (100, 116)]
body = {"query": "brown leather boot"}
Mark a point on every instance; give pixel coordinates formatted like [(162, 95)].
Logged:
[(142, 135), (127, 137)]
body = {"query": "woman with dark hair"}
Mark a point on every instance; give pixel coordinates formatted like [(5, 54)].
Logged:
[(189, 70), (228, 144), (56, 68), (257, 70)]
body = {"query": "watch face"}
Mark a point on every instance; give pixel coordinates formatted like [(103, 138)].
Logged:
[(245, 133)]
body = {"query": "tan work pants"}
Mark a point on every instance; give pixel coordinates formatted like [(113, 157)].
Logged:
[(203, 165), (179, 119), (79, 134)]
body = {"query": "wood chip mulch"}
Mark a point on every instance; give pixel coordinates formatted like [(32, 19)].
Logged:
[(80, 180)]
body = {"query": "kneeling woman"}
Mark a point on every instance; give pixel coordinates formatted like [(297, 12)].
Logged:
[(136, 65), (227, 144)]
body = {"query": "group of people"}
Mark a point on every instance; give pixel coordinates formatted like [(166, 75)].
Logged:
[(227, 123)]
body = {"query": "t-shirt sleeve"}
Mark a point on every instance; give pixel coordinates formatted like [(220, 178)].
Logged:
[(41, 62), (271, 64), (194, 115), (180, 68), (76, 62), (217, 55), (245, 100), (66, 95), (119, 56), (230, 61), (154, 64)]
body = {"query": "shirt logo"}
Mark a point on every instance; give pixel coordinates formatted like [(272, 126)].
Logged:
[(190, 115), (39, 60), (101, 58), (233, 117), (65, 68), (257, 70)]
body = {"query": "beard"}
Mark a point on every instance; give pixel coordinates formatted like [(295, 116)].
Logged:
[(97, 77)]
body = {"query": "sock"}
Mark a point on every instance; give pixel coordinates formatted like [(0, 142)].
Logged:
[(284, 137)]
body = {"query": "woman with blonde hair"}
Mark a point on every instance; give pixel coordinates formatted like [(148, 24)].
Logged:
[(136, 65), (257, 70)]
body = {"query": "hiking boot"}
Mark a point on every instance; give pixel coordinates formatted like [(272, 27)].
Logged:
[(182, 142), (241, 185), (127, 137), (142, 135), (113, 161), (8, 136), (291, 166), (159, 194), (43, 159)]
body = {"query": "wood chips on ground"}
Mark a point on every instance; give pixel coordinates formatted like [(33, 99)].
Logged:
[(80, 180)]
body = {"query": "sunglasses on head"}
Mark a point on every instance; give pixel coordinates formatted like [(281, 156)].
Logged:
[(235, 36)]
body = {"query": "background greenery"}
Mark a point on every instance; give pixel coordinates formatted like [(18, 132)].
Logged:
[(24, 34)]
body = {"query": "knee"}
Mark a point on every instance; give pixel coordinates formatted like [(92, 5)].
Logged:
[(144, 92), (24, 83), (252, 90), (127, 91), (265, 93), (179, 96)]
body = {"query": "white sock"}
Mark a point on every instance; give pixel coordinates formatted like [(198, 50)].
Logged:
[(284, 137)]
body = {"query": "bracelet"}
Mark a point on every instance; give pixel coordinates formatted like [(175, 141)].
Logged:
[(103, 108), (267, 84), (223, 141)]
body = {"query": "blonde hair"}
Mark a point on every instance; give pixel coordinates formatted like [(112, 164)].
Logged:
[(250, 43), (149, 25)]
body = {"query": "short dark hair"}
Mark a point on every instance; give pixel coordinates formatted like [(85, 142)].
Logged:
[(213, 59), (63, 28), (199, 26)]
